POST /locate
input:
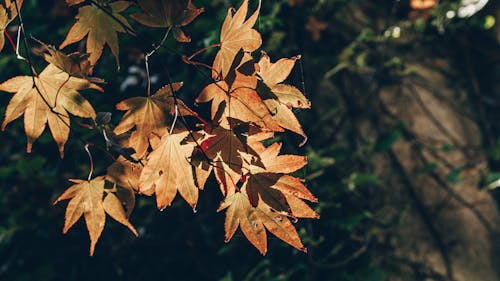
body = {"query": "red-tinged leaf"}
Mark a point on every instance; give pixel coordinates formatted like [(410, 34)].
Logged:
[(168, 170), (259, 188), (224, 148), (236, 34), (101, 29), (238, 100), (227, 145), (51, 84), (114, 208), (149, 115), (8, 12), (168, 14)]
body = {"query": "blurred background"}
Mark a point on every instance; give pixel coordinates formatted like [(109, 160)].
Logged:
[(403, 149)]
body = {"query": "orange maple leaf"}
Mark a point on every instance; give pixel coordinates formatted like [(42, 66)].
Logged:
[(268, 181), (87, 200), (55, 94), (422, 4), (169, 170), (149, 115), (235, 97), (101, 29), (236, 34), (253, 222), (226, 149), (279, 97), (168, 14)]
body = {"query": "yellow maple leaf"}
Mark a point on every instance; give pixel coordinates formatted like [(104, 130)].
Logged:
[(236, 34), (168, 170), (87, 200), (50, 100), (100, 27), (149, 115)]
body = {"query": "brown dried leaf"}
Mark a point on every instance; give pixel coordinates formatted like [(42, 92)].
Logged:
[(168, 170), (149, 115), (52, 84), (168, 14), (236, 34), (101, 29)]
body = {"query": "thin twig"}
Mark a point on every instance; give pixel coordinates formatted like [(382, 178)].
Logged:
[(146, 59), (12, 44), (176, 114), (91, 161)]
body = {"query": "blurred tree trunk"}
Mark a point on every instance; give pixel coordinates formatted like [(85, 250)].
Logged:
[(450, 231)]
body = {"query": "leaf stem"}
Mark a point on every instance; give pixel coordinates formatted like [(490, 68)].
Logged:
[(146, 59), (12, 44), (176, 114), (203, 50), (91, 161)]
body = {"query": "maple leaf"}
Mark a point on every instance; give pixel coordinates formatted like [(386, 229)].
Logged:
[(315, 27), (253, 222), (279, 97), (125, 175), (236, 34), (75, 64), (168, 14), (74, 2), (236, 98), (8, 12), (87, 200), (267, 180), (225, 148), (150, 115), (422, 4), (54, 96), (100, 27), (169, 170)]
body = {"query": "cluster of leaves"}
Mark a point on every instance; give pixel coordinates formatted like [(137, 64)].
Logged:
[(160, 153)]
